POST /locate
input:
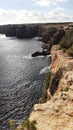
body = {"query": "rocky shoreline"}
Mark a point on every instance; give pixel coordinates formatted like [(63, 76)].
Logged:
[(57, 112), (49, 34)]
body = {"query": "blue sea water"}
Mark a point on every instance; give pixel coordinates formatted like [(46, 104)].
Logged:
[(21, 80)]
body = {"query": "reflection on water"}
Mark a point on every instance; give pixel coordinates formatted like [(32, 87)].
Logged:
[(20, 81)]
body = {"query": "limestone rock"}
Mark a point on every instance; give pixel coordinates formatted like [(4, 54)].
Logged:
[(57, 113)]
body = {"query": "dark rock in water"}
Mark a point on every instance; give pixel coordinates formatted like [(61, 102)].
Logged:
[(43, 53), (54, 36), (27, 31)]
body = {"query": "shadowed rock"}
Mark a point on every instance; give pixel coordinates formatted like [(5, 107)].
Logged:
[(43, 53), (3, 29), (27, 31), (58, 36), (47, 35), (20, 31), (11, 30), (54, 40)]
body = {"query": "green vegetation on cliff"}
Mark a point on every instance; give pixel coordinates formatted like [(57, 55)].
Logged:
[(43, 99), (54, 81), (27, 125), (51, 82), (67, 43)]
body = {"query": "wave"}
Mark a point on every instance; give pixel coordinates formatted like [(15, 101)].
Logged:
[(2, 36), (44, 70), (49, 56), (27, 57), (30, 57)]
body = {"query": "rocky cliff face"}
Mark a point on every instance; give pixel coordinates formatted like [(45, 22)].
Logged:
[(20, 31), (11, 30), (27, 31), (57, 113), (45, 31)]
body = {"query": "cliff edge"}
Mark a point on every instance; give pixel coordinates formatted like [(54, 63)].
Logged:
[(57, 112)]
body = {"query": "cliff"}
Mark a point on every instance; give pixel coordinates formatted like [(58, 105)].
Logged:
[(45, 31), (57, 113), (27, 31), (55, 110), (20, 30), (11, 30)]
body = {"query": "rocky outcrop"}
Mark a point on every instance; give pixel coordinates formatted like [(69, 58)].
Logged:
[(55, 39), (58, 36), (48, 34), (42, 53), (52, 37), (57, 113)]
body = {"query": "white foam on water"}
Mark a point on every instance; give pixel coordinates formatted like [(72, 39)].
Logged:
[(27, 57), (44, 70), (30, 57), (2, 36), (48, 55), (36, 38)]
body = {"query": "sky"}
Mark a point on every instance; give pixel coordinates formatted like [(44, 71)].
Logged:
[(35, 11)]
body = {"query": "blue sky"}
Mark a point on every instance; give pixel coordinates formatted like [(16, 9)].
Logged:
[(33, 11)]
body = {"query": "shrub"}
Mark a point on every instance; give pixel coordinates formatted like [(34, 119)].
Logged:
[(54, 81), (25, 123), (29, 125), (66, 89), (70, 51), (11, 124), (67, 40), (32, 126), (43, 99)]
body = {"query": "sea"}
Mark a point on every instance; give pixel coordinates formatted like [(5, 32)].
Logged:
[(21, 78)]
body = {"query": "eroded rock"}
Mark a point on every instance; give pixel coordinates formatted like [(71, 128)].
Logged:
[(57, 113)]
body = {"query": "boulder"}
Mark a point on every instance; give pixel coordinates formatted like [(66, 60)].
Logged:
[(43, 53)]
